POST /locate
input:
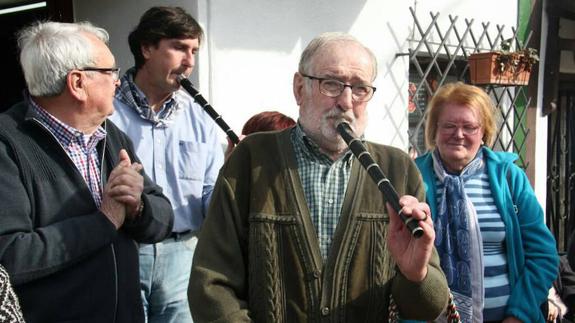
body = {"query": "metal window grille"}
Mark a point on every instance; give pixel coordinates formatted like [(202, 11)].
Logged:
[(438, 55), (561, 168)]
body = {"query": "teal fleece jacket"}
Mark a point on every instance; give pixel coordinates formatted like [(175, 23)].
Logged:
[(531, 251)]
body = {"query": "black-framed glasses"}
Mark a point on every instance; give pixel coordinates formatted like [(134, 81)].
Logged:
[(334, 88), (114, 71)]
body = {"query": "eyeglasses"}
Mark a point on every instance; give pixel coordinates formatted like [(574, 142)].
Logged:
[(449, 128), (334, 88), (114, 71)]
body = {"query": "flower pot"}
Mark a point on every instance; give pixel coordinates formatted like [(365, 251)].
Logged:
[(486, 69)]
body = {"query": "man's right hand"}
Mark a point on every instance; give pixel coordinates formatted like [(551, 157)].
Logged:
[(126, 184), (112, 209), (122, 190), (411, 254)]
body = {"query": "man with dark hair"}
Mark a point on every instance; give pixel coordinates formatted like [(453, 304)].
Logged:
[(74, 200), (178, 145), (160, 23)]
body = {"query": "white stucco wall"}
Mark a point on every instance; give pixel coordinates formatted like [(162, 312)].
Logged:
[(247, 62), (252, 58), (252, 48)]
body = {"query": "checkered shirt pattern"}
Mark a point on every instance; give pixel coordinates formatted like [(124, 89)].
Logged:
[(80, 148), (324, 183), (135, 98)]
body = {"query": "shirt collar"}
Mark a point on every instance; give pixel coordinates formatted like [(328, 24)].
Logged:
[(64, 133), (132, 95), (312, 151)]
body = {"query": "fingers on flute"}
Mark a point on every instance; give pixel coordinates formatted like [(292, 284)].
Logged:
[(413, 208)]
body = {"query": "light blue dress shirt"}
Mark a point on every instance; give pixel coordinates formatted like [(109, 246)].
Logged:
[(183, 155)]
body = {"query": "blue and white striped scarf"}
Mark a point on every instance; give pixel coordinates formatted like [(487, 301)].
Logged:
[(458, 238)]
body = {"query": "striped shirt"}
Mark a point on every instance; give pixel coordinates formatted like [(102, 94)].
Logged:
[(324, 182), (81, 148), (496, 276)]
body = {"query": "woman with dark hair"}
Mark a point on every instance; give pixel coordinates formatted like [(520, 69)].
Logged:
[(497, 254)]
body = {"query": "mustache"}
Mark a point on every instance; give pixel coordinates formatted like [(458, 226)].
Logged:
[(337, 114), (183, 71)]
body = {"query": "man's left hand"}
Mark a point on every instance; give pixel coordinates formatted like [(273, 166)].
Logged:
[(411, 254)]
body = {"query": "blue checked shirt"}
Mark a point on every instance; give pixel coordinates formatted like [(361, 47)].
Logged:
[(324, 183), (80, 148)]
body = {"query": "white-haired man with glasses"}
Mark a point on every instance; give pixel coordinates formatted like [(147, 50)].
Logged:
[(74, 197), (297, 232)]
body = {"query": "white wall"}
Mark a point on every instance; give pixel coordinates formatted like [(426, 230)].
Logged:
[(254, 56), (252, 48)]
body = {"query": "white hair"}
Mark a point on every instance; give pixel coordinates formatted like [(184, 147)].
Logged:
[(325, 39), (50, 50)]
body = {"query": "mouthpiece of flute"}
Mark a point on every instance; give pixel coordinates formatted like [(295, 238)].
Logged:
[(340, 121), (344, 125), (181, 77)]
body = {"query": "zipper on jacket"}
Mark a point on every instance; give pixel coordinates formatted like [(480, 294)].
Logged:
[(102, 181), (115, 282)]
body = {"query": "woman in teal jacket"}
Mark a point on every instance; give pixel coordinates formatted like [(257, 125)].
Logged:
[(499, 257)]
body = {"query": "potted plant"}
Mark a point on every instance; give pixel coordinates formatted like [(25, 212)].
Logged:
[(504, 66)]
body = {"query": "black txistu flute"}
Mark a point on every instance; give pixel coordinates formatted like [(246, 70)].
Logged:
[(375, 172), (187, 85)]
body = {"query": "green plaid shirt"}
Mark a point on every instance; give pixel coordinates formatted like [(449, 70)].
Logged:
[(324, 182)]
